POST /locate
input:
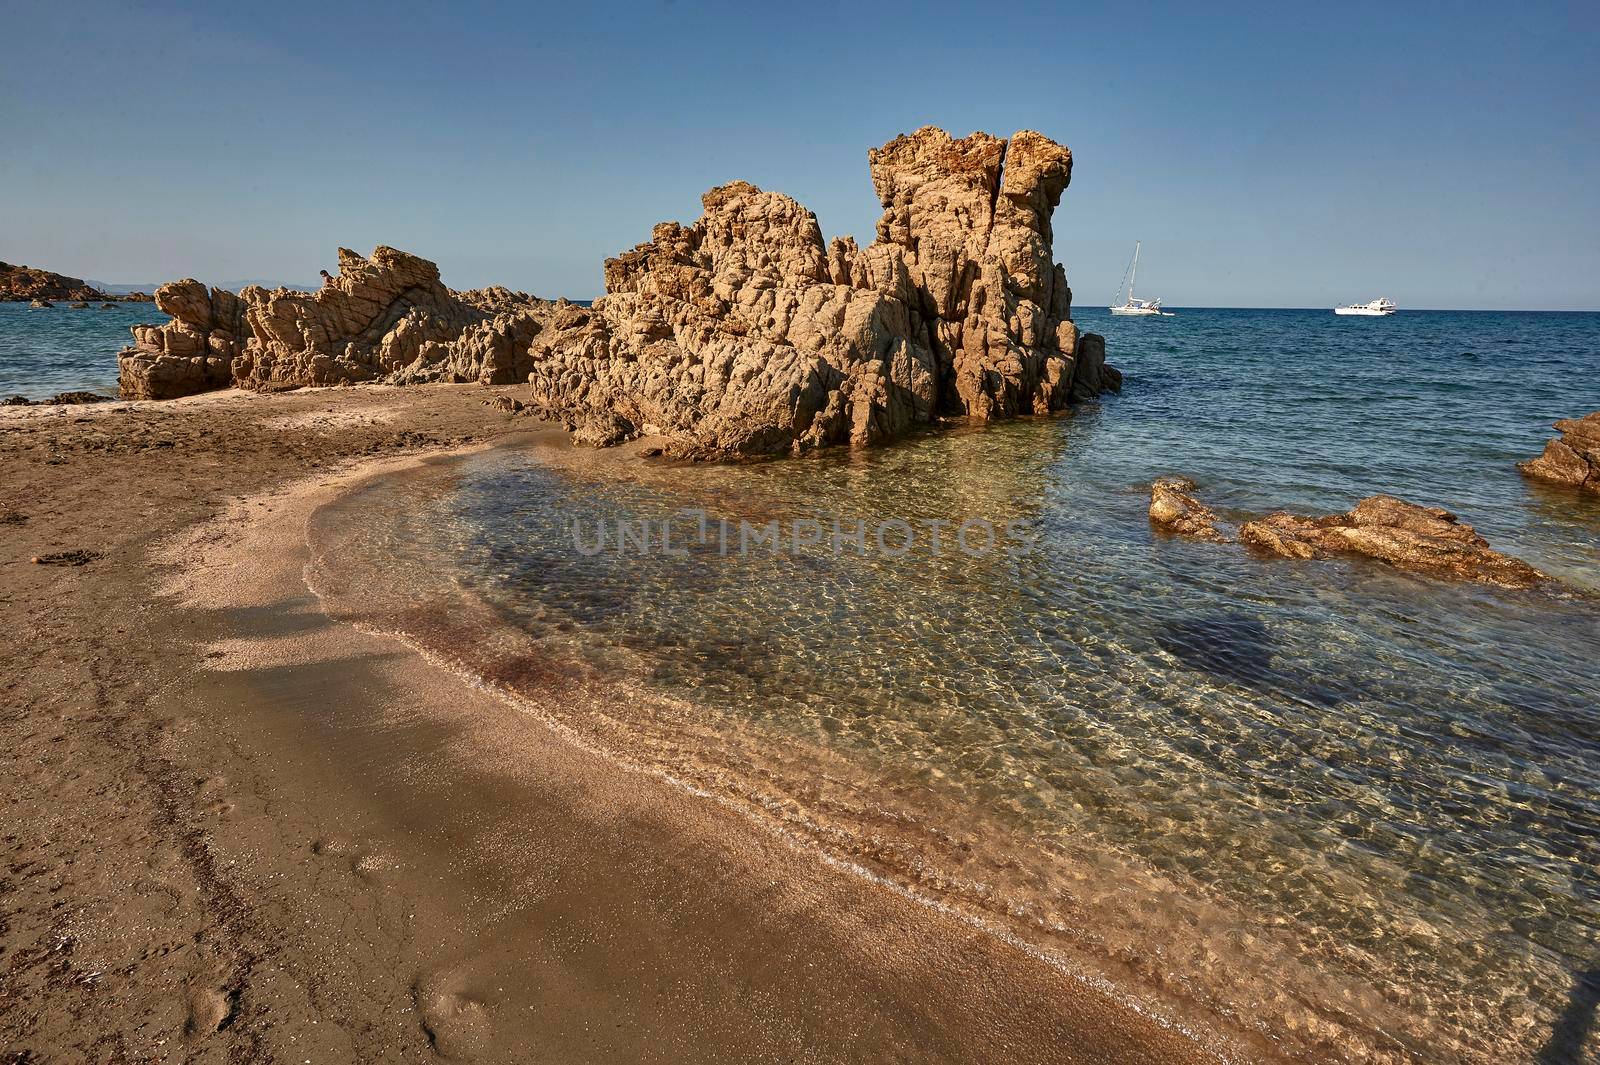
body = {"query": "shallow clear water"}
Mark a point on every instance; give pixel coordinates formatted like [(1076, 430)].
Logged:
[(1357, 810), (46, 350)]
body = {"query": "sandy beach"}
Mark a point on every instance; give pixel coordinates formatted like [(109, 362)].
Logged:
[(240, 830)]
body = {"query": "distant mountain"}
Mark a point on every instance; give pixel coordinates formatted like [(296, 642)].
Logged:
[(122, 290)]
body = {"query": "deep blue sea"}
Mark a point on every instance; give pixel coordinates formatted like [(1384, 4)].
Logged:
[(46, 350), (1354, 812)]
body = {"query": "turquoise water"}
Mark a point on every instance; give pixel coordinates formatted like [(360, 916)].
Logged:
[(1355, 812), (48, 350)]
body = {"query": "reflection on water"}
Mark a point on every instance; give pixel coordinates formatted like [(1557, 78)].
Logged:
[(1354, 810)]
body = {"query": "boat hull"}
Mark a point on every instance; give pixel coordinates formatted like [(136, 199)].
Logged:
[(1142, 312), (1359, 312)]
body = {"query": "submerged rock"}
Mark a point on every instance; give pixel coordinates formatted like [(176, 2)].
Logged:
[(1174, 511), (1422, 540), (1573, 458), (740, 334)]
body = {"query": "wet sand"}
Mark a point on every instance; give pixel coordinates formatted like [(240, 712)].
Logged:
[(240, 830)]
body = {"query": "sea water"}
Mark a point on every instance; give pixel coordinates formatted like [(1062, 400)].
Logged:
[(1349, 812), (47, 350)]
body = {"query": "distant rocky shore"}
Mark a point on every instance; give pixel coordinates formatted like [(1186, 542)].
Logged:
[(742, 334), (29, 284)]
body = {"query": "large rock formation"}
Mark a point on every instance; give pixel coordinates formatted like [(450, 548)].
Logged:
[(1424, 540), (745, 334), (741, 334), (19, 284), (1572, 459), (388, 318)]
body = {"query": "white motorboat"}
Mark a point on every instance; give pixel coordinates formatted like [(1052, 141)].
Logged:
[(1376, 309), (1130, 305)]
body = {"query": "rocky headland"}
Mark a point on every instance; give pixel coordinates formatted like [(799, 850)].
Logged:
[(1573, 458), (1427, 541), (741, 334), (26, 284), (29, 284)]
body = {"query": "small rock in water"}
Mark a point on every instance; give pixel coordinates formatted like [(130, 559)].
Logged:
[(1173, 510), (1425, 540), (1573, 459)]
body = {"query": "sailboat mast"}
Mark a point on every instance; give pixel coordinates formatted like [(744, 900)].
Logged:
[(1134, 275)]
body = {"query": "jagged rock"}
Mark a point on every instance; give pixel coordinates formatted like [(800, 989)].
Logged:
[(40, 303), (745, 334), (1424, 540), (1176, 512), (741, 334), (385, 318), (1572, 459), (79, 305), (20, 283)]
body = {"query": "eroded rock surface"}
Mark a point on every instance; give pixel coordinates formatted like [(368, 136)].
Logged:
[(741, 334), (1571, 459), (1424, 540), (385, 318), (745, 334)]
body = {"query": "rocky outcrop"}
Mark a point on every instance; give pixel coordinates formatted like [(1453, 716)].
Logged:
[(20, 284), (1572, 459), (386, 318), (1424, 540), (1176, 512), (1427, 541), (745, 334), (742, 334)]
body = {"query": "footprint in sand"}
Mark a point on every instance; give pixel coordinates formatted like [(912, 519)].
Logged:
[(364, 862), (457, 1022), (210, 1010)]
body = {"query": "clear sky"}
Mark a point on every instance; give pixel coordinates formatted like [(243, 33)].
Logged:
[(1267, 155)]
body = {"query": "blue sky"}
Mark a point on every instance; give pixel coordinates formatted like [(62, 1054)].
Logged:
[(1267, 155)]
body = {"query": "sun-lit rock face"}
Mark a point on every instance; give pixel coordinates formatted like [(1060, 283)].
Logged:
[(740, 334), (1573, 458), (743, 333), (384, 318)]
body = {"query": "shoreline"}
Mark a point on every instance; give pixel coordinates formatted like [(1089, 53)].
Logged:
[(370, 853)]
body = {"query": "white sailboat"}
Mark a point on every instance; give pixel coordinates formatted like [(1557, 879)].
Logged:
[(1131, 305), (1378, 308)]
